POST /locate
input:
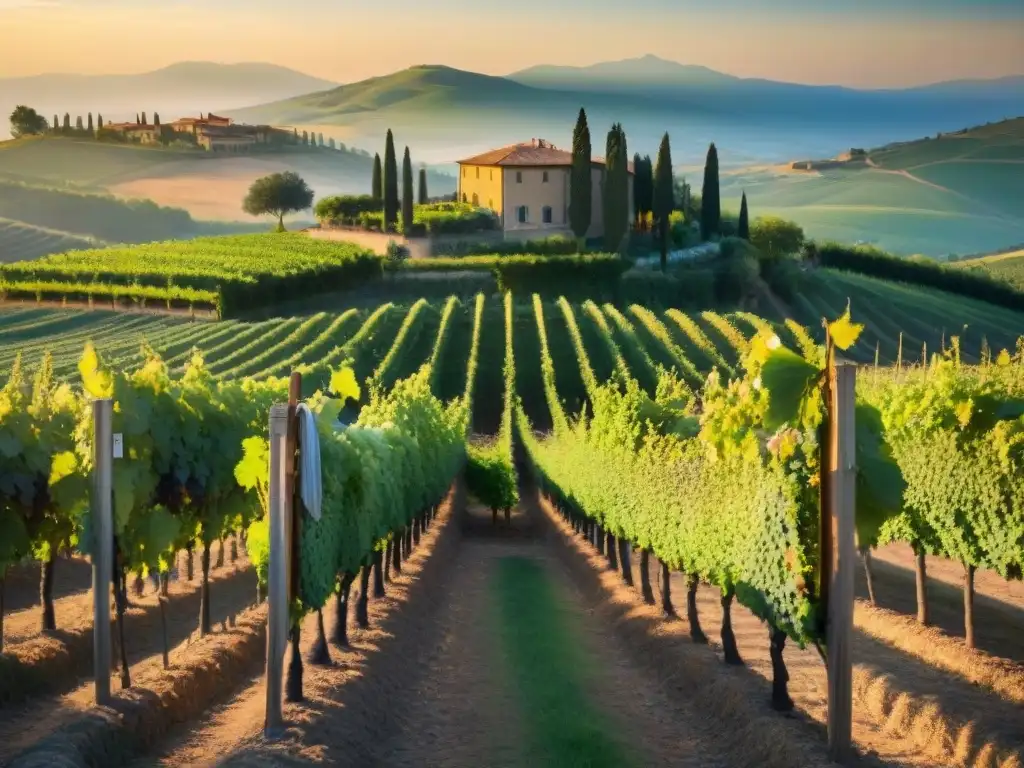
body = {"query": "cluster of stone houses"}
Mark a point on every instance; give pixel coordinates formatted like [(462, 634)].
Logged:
[(527, 185), (212, 132)]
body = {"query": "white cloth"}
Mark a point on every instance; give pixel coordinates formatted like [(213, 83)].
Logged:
[(310, 479)]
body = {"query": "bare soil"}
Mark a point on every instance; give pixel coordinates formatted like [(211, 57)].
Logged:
[(427, 684), (232, 590), (940, 717)]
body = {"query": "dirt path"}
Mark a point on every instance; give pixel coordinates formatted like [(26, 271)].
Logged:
[(435, 681)]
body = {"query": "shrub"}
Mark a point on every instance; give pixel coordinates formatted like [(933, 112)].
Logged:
[(395, 253), (346, 209), (556, 245), (872, 261), (784, 276), (736, 271), (776, 237), (453, 219), (560, 274)]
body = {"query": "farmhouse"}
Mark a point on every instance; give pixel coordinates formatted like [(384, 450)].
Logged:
[(220, 134), (527, 185), (140, 132)]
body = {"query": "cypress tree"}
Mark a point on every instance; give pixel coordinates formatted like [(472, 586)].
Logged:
[(390, 183), (663, 200), (144, 119), (422, 195), (56, 124), (580, 180), (743, 228), (320, 139), (615, 199), (377, 187), (305, 138), (330, 143), (78, 123), (406, 192), (99, 122), (710, 202), (137, 120), (156, 119), (89, 123), (67, 122)]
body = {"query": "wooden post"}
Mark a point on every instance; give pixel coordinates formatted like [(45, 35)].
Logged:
[(293, 686), (841, 505), (103, 547), (277, 570)]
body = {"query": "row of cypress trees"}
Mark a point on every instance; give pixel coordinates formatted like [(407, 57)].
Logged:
[(653, 190), (384, 186)]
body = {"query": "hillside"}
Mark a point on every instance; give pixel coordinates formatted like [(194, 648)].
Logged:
[(186, 88), (452, 113), (20, 241), (1006, 266), (209, 187), (955, 194)]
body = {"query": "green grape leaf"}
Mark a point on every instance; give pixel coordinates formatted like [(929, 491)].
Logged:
[(68, 486), (95, 380), (786, 376), (880, 482), (844, 332), (14, 539), (344, 384), (253, 470)]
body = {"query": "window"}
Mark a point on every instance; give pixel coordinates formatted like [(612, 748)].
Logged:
[(492, 174), (476, 199), (519, 177), (547, 212), (545, 177), (464, 169), (524, 214), (464, 197), (490, 204), (478, 173)]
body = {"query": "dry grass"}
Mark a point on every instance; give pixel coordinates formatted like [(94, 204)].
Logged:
[(1001, 676), (923, 725)]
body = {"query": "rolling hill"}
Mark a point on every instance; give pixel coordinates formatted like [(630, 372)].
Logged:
[(201, 185), (451, 113), (186, 87), (958, 193), (1007, 266)]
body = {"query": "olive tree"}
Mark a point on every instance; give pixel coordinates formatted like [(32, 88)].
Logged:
[(277, 195)]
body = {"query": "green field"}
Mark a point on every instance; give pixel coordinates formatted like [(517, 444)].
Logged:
[(631, 337), (953, 195), (1005, 266), (20, 241)]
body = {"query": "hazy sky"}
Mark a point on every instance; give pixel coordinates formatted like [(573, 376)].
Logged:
[(867, 43)]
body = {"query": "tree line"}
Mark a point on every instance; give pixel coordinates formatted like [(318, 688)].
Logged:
[(384, 187)]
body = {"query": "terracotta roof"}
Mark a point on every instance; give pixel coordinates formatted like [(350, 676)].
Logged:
[(129, 127), (535, 152)]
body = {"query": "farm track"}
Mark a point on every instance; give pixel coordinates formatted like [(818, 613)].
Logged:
[(430, 683)]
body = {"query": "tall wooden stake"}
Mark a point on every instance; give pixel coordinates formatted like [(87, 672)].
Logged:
[(842, 469), (293, 687), (103, 552), (277, 570)]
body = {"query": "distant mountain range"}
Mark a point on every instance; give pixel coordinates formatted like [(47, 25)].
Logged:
[(444, 113), (187, 88)]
